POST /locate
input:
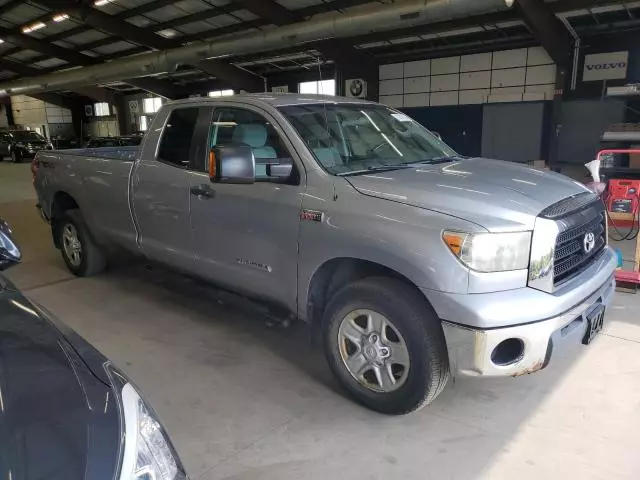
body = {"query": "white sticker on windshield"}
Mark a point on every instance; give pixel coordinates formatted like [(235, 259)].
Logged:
[(401, 117)]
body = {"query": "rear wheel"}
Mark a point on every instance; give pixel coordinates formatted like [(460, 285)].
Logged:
[(385, 345), (83, 256), (16, 157)]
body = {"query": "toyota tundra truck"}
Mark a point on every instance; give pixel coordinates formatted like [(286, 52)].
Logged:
[(414, 263)]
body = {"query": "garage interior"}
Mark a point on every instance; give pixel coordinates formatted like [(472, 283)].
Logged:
[(241, 396)]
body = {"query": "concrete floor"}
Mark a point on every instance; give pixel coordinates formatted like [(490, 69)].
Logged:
[(244, 401)]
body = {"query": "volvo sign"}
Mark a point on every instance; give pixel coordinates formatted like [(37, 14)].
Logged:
[(605, 66)]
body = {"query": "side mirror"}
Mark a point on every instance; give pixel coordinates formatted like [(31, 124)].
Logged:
[(9, 252), (282, 169), (232, 164)]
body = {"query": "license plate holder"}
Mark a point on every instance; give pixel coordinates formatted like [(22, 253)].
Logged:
[(595, 322)]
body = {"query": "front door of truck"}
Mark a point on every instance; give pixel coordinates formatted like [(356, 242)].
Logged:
[(160, 186), (245, 237)]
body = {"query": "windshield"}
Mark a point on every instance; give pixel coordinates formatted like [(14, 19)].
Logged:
[(26, 136), (349, 138)]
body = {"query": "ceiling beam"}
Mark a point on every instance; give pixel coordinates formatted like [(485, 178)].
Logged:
[(271, 11), (132, 12), (156, 86), (98, 94), (547, 29), (50, 49), (235, 77), (57, 100), (162, 88), (108, 23), (231, 75), (203, 15), (340, 51)]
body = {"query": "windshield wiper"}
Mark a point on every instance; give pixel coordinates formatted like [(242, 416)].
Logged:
[(372, 169), (435, 160)]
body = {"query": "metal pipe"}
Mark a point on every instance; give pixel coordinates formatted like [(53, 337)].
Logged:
[(576, 51), (403, 13)]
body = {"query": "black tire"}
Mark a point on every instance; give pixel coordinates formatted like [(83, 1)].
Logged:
[(16, 157), (417, 323), (93, 259)]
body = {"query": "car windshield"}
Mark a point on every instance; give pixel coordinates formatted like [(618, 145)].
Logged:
[(26, 136), (353, 138)]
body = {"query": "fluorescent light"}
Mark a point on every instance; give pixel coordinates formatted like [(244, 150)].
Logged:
[(61, 17), (168, 33), (1, 40), (99, 3), (33, 27), (221, 93)]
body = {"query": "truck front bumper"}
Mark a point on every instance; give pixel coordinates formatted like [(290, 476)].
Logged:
[(472, 349)]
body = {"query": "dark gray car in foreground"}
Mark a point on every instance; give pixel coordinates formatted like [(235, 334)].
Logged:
[(65, 411)]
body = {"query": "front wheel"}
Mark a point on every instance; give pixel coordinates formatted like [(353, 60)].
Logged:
[(385, 344), (83, 256)]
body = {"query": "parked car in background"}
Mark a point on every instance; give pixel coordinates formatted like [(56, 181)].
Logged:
[(414, 262), (21, 144), (66, 412)]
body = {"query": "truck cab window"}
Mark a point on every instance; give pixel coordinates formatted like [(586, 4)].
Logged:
[(175, 146), (233, 126)]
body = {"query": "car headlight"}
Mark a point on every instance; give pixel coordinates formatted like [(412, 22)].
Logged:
[(147, 453), (490, 252)]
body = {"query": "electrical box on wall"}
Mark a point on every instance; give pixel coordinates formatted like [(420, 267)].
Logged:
[(355, 87), (88, 110)]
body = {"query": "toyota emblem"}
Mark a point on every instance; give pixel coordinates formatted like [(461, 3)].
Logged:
[(589, 242)]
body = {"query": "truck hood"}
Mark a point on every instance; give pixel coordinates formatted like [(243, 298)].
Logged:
[(496, 195)]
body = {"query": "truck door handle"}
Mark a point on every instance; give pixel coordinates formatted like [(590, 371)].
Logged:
[(203, 191)]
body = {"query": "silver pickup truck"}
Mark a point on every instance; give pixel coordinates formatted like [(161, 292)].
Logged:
[(415, 263)]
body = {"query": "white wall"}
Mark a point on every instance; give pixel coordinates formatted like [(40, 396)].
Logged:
[(33, 113), (101, 128), (525, 74)]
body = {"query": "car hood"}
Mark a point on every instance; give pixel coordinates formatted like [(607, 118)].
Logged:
[(496, 195), (49, 400)]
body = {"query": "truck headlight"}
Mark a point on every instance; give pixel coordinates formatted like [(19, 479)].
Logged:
[(146, 452), (490, 252)]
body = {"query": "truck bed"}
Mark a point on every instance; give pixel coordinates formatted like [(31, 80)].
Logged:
[(120, 153), (98, 181)]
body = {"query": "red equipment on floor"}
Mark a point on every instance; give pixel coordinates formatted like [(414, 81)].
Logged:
[(622, 199)]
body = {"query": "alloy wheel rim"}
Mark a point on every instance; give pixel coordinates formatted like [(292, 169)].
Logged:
[(71, 244), (373, 351)]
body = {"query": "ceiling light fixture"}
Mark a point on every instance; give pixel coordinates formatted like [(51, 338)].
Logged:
[(1, 40), (33, 27), (99, 3), (61, 17), (168, 33)]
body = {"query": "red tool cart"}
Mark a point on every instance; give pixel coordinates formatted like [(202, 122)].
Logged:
[(622, 199)]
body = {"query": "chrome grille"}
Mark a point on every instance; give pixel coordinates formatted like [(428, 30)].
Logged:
[(570, 257)]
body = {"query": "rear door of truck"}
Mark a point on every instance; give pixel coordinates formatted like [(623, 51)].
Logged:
[(160, 187)]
